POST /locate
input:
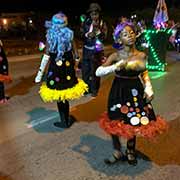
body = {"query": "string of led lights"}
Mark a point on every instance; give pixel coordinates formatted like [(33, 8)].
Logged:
[(158, 62)]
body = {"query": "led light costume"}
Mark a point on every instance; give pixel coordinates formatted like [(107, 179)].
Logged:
[(130, 112), (4, 76), (61, 83)]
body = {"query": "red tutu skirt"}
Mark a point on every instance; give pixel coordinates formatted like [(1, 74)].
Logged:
[(5, 78), (117, 127)]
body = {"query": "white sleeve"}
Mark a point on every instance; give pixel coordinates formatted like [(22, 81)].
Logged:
[(104, 70), (101, 70), (42, 67)]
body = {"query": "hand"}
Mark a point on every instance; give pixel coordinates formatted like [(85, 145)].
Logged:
[(91, 35), (120, 64), (77, 59), (76, 65), (148, 93)]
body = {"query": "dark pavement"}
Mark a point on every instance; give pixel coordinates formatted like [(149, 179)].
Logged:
[(31, 148)]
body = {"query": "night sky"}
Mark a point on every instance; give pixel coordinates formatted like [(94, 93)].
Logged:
[(80, 6)]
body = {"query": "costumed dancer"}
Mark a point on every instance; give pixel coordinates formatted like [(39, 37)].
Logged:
[(94, 34), (61, 83), (130, 112), (4, 77)]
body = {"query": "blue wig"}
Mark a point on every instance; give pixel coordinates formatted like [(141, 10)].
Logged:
[(59, 36)]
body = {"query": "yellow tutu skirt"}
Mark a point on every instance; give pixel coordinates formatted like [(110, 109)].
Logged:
[(49, 95)]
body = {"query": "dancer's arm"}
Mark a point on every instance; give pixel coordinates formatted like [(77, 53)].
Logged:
[(109, 67)]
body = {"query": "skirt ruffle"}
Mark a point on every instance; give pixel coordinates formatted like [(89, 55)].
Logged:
[(49, 95), (4, 101), (5, 78), (117, 127)]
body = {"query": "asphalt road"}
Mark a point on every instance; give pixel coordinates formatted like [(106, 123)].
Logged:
[(31, 148)]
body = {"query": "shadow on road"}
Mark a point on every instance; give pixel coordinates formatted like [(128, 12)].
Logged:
[(95, 149), (42, 120), (164, 152)]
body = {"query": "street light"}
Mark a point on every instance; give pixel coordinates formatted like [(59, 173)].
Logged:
[(4, 21)]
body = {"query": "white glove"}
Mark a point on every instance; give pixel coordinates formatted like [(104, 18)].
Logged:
[(104, 70), (42, 67), (38, 77), (148, 91)]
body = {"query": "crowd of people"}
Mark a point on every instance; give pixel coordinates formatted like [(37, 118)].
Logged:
[(129, 109)]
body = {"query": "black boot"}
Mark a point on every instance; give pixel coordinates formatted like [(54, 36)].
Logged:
[(2, 94), (66, 120), (117, 155), (130, 152)]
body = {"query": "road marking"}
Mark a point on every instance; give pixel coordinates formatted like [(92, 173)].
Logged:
[(42, 120)]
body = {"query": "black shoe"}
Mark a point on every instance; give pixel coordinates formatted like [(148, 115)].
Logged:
[(131, 157), (7, 97), (60, 124), (86, 93), (114, 158), (71, 121), (68, 124), (94, 94)]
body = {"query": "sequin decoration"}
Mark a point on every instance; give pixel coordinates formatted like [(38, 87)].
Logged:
[(138, 115), (68, 77), (113, 108), (59, 63), (144, 120), (57, 79), (136, 104), (135, 99), (129, 115), (4, 67), (143, 113), (118, 105), (137, 110), (67, 63), (128, 104), (134, 92), (124, 109), (131, 109), (51, 82), (134, 121), (50, 73)]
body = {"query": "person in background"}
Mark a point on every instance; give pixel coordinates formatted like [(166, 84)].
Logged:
[(4, 74), (94, 33), (61, 84), (130, 112)]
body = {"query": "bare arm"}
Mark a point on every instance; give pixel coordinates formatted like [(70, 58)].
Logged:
[(148, 90), (110, 60)]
